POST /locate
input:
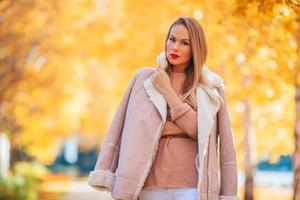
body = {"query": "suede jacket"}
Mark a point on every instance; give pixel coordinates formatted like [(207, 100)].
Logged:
[(131, 142)]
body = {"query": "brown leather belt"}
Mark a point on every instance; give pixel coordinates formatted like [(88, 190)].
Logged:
[(175, 136)]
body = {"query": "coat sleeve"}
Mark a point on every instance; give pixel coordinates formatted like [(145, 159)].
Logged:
[(228, 164), (102, 178)]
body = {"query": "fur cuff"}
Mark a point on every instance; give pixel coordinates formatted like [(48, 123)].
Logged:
[(222, 197), (101, 180)]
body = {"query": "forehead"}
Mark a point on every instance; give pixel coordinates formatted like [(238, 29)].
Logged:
[(180, 32)]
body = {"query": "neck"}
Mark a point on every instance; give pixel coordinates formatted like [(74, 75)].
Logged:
[(178, 68)]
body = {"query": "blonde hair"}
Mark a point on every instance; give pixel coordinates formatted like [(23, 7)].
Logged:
[(199, 55)]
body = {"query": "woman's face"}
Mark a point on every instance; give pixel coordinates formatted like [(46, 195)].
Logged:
[(178, 46)]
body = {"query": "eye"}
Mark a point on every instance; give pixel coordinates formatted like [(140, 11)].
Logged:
[(172, 39), (185, 43)]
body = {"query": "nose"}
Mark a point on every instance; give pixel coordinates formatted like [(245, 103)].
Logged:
[(175, 46)]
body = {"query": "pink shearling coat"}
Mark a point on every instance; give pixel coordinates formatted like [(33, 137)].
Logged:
[(131, 142)]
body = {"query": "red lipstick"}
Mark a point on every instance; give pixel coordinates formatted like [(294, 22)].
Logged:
[(174, 56)]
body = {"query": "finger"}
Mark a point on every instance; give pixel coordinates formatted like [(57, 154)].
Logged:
[(159, 72)]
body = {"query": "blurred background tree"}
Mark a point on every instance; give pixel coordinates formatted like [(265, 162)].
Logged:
[(276, 24)]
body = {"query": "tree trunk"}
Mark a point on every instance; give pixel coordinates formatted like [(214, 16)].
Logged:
[(249, 154), (296, 157)]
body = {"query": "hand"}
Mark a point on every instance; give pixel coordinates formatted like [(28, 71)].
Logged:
[(161, 81)]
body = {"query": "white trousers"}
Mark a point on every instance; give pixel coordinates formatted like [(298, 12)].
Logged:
[(168, 194)]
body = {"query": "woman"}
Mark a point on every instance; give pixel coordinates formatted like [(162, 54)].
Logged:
[(163, 140)]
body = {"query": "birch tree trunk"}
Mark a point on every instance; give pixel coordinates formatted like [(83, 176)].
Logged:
[(296, 157)]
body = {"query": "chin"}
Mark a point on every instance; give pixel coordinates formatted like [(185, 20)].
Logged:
[(176, 63), (173, 62)]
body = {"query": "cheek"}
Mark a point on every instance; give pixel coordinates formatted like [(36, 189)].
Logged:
[(169, 45), (188, 54)]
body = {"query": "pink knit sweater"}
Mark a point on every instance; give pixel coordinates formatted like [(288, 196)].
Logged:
[(174, 163)]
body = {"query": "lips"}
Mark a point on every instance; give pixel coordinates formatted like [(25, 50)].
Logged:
[(174, 56)]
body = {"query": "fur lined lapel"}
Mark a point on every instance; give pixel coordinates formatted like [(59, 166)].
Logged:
[(207, 107), (157, 99)]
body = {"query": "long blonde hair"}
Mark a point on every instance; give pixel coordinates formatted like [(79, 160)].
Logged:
[(199, 55)]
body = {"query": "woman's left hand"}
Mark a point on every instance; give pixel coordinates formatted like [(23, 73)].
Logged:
[(161, 81)]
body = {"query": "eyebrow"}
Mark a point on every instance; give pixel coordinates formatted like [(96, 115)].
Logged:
[(181, 39)]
